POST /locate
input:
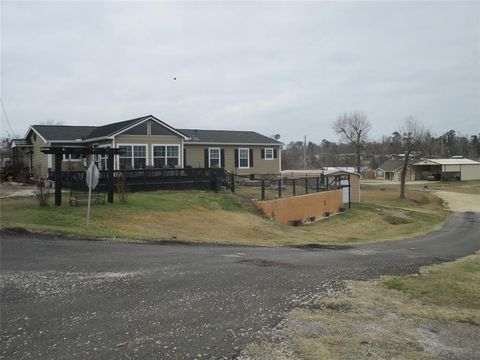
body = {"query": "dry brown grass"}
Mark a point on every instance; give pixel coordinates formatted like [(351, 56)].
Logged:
[(423, 320), (226, 218)]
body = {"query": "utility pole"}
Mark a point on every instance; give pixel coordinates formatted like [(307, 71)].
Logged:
[(305, 152)]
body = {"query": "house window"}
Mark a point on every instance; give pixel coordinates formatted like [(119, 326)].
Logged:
[(214, 157), (269, 154), (132, 156), (102, 162), (72, 157), (165, 156), (244, 158)]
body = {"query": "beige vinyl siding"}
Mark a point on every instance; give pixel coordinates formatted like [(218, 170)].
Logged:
[(451, 168), (153, 139), (195, 158), (470, 172), (355, 188), (39, 159)]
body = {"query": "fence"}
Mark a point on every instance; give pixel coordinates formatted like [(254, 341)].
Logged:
[(276, 188), (156, 179)]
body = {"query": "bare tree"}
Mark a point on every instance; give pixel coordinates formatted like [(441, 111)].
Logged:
[(51, 122), (411, 135), (353, 128)]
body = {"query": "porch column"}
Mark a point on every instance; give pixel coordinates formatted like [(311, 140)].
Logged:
[(110, 185), (58, 178)]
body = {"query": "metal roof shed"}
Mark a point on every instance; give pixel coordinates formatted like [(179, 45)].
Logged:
[(448, 169)]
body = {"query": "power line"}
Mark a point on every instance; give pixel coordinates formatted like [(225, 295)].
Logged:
[(6, 117)]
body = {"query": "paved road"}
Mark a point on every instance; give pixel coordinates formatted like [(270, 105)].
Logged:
[(77, 299)]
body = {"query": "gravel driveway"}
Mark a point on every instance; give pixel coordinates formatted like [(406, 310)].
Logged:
[(65, 298), (460, 202)]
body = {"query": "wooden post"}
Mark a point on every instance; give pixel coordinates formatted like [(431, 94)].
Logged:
[(306, 186), (110, 184), (349, 194), (145, 179), (280, 188), (263, 189), (58, 177), (293, 188), (232, 182)]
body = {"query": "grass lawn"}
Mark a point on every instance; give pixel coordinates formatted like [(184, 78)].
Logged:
[(418, 317), (465, 187), (228, 218)]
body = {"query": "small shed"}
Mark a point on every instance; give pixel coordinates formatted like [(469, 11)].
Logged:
[(354, 178), (447, 169)]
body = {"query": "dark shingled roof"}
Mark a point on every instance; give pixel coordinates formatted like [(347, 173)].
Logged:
[(391, 165), (110, 129), (63, 132), (72, 133), (227, 137), (21, 142)]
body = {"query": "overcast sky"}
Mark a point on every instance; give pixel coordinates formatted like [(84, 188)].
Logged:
[(272, 67)]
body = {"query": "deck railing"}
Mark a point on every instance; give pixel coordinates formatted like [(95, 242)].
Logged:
[(156, 179)]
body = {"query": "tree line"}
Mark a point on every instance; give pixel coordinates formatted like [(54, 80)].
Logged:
[(374, 152), (411, 140)]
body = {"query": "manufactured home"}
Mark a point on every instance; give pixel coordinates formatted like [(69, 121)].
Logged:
[(148, 142)]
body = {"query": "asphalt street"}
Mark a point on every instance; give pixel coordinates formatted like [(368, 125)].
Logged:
[(64, 298)]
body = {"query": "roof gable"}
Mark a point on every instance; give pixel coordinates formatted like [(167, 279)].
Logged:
[(391, 165), (64, 133), (125, 126)]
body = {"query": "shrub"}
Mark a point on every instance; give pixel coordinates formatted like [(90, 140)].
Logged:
[(42, 192)]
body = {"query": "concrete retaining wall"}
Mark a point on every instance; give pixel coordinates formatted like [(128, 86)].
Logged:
[(303, 208)]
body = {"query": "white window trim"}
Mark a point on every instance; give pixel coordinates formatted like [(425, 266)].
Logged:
[(180, 155), (66, 159), (273, 154), (100, 157), (279, 159), (219, 156), (146, 154), (248, 158)]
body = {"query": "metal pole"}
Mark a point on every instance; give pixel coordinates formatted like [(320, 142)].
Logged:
[(280, 188), (263, 189), (318, 184), (293, 189), (306, 186), (305, 152)]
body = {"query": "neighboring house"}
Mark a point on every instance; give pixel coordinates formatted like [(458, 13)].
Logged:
[(6, 157), (392, 170), (148, 142), (447, 169)]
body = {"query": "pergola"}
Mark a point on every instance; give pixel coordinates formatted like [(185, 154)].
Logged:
[(59, 151)]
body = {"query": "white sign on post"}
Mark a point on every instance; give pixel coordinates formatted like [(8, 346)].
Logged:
[(91, 176)]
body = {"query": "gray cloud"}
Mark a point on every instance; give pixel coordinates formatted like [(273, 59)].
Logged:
[(286, 67)]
